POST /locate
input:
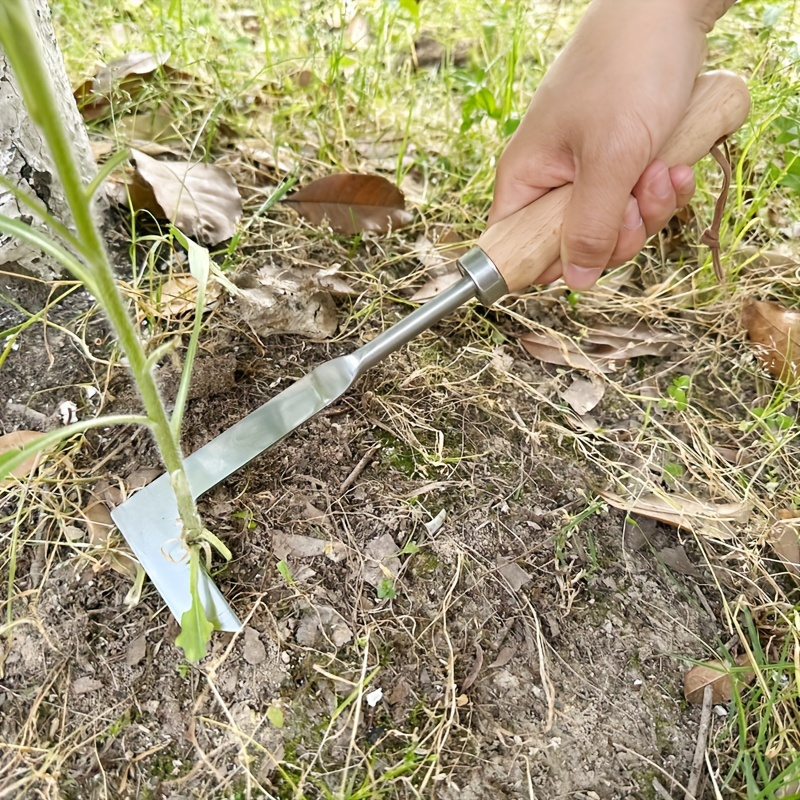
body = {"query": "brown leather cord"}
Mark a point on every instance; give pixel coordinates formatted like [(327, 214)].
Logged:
[(710, 236)]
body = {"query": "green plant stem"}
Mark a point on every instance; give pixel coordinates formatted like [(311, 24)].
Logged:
[(22, 48)]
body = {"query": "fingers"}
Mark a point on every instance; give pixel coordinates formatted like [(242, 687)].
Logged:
[(598, 211), (652, 203), (660, 191)]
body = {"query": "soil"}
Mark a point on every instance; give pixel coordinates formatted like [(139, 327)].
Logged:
[(533, 643)]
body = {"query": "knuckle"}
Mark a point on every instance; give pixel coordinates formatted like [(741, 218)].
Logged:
[(592, 242)]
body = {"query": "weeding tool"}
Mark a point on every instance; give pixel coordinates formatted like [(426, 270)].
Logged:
[(508, 258)]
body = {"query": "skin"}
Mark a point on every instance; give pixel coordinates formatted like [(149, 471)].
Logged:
[(598, 120)]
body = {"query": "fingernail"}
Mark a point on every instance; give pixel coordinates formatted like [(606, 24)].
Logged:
[(661, 185), (632, 218), (581, 277)]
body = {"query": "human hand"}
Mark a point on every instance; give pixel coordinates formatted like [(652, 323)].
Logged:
[(598, 120)]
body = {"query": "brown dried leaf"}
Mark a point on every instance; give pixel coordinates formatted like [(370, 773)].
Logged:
[(277, 300), (514, 574), (678, 561), (582, 395), (16, 440), (775, 333), (784, 536), (286, 545), (128, 74), (179, 295), (99, 526), (199, 199), (716, 675), (352, 204), (281, 159), (150, 132), (440, 256), (683, 511), (603, 349)]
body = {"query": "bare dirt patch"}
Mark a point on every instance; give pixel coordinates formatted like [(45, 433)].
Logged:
[(523, 646)]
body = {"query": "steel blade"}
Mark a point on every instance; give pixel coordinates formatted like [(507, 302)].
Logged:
[(149, 520)]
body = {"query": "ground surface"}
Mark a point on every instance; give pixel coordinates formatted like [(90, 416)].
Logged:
[(529, 639)]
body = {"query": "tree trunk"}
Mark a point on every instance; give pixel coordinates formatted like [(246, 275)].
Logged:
[(24, 159)]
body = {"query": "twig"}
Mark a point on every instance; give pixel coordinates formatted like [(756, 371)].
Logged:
[(660, 790), (359, 468), (700, 747)]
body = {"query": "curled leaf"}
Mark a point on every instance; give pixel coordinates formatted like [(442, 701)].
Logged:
[(12, 443), (199, 199), (100, 526), (775, 333), (602, 349), (128, 75), (683, 511), (352, 204), (716, 675), (279, 300)]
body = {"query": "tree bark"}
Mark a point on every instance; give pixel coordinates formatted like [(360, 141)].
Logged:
[(24, 159)]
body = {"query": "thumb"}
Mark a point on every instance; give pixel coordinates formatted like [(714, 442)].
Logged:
[(596, 212)]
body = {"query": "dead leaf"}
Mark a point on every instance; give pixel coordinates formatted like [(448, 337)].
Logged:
[(286, 545), (86, 685), (136, 651), (427, 52), (602, 349), (199, 199), (150, 132), (287, 300), (127, 75), (440, 256), (16, 440), (676, 559), (582, 395), (718, 676), (784, 536), (775, 333), (325, 620), (503, 657), (179, 295), (99, 526), (380, 560), (352, 204), (254, 651), (281, 159), (683, 511), (513, 573)]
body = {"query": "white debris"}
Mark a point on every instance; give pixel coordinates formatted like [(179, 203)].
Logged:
[(373, 698), (433, 526), (68, 412)]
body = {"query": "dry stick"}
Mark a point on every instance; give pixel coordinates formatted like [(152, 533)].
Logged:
[(710, 236), (359, 468), (660, 790), (700, 747)]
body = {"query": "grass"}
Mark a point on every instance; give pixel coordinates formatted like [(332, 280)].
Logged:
[(437, 132)]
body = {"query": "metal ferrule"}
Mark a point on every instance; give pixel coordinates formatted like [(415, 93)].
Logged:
[(489, 283)]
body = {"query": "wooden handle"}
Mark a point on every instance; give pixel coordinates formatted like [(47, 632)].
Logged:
[(525, 244)]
